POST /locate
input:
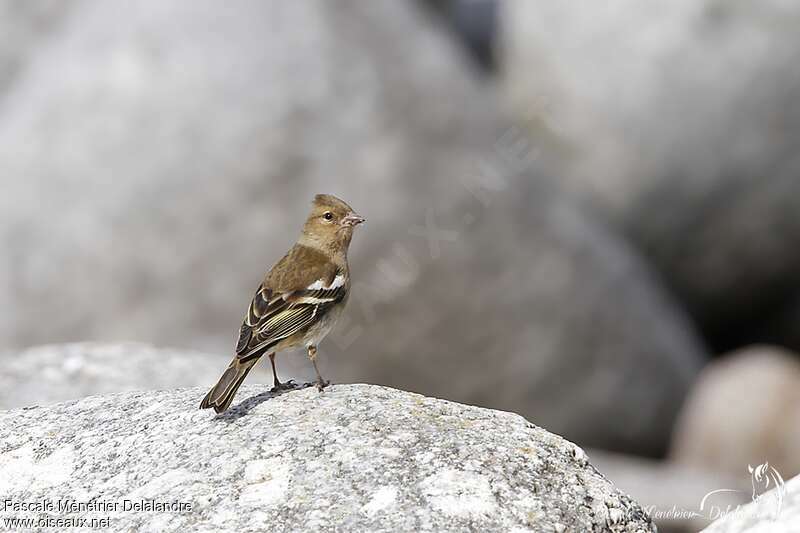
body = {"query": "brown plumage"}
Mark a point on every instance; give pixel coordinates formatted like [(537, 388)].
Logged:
[(299, 300)]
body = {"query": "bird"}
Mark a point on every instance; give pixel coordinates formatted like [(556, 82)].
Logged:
[(298, 302)]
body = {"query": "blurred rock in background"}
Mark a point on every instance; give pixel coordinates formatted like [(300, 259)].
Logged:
[(671, 494), (474, 23), (743, 410), (679, 123), (153, 171), (24, 26), (769, 513), (531, 293), (55, 373)]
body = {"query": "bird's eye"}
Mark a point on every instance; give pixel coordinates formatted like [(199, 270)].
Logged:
[(328, 215)]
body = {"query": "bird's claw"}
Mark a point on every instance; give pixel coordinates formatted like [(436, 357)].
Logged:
[(286, 385), (319, 384)]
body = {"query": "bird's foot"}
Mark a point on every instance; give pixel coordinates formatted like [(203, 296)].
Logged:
[(319, 384), (288, 385)]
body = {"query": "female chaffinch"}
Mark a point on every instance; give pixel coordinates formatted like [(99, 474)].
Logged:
[(299, 300)]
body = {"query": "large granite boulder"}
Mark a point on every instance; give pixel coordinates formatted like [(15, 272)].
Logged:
[(679, 124), (152, 173), (354, 458)]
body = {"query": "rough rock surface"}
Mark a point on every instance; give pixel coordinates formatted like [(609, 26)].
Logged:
[(763, 515), (60, 372), (355, 458), (679, 123), (152, 173)]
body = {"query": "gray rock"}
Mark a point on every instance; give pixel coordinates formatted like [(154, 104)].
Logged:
[(60, 372), (474, 23), (534, 308), (152, 173), (679, 124), (750, 401), (764, 515), (355, 458), (24, 27)]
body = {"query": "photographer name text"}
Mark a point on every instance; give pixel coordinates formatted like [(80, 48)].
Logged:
[(70, 506)]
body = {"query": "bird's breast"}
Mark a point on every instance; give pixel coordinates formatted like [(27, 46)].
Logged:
[(320, 329)]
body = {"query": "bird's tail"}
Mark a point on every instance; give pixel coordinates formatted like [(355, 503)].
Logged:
[(221, 395)]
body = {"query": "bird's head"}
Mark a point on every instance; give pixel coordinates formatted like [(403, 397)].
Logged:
[(330, 224)]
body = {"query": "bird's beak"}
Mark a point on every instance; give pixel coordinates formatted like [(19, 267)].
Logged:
[(352, 219)]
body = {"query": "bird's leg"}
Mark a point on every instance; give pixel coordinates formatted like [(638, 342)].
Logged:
[(312, 354), (278, 386)]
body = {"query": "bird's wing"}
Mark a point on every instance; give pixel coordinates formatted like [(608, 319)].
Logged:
[(275, 315)]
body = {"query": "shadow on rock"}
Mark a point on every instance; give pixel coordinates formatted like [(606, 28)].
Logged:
[(245, 406)]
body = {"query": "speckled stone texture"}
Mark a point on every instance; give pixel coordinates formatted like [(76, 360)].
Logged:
[(354, 458)]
